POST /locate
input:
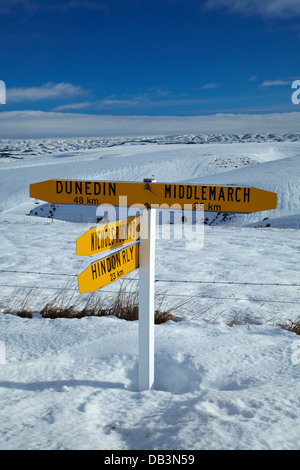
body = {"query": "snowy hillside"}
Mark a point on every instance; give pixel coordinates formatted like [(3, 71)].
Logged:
[(20, 149), (72, 383)]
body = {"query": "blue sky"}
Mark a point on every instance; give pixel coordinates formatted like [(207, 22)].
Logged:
[(150, 57)]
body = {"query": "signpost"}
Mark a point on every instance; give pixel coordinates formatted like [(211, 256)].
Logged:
[(155, 195), (136, 235)]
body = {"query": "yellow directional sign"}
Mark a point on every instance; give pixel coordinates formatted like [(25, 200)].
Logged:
[(106, 237), (109, 269), (159, 195)]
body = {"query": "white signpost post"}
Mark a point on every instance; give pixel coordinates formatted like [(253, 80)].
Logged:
[(146, 298)]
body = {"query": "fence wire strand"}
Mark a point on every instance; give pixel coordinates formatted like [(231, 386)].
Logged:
[(166, 280), (189, 295)]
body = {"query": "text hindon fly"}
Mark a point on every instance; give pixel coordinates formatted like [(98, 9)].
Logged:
[(112, 262)]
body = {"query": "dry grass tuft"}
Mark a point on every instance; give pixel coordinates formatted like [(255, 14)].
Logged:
[(25, 314), (292, 325), (243, 318), (18, 303), (123, 304), (295, 326)]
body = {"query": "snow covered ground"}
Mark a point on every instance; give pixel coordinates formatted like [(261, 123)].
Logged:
[(72, 383)]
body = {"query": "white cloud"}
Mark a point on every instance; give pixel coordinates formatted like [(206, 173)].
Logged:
[(100, 104), (74, 106), (44, 92), (265, 8), (151, 97), (38, 124), (269, 83), (210, 86), (112, 102)]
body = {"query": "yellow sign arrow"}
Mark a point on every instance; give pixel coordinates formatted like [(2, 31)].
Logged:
[(109, 269), (109, 236), (158, 195)]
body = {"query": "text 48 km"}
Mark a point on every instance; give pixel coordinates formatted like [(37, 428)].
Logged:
[(87, 200)]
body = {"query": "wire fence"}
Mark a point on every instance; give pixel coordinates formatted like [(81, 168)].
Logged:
[(165, 280), (204, 295)]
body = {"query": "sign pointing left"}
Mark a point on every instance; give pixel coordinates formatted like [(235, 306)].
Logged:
[(109, 269), (109, 236)]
